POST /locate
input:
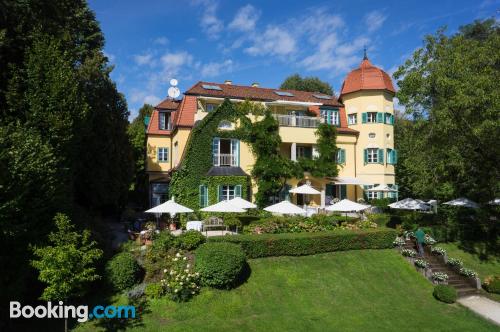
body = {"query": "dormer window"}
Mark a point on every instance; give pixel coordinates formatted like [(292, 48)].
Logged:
[(164, 121), (210, 107)]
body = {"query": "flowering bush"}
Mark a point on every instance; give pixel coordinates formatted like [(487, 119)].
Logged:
[(429, 240), (438, 251), (455, 262), (180, 281), (492, 284), (421, 263), (399, 242), (408, 252), (361, 201), (468, 272), (409, 234), (439, 276)]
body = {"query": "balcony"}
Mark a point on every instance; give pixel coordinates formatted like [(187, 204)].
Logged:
[(224, 159), (298, 121)]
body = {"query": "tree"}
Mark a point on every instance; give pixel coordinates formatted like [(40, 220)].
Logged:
[(137, 135), (448, 145), (311, 84)]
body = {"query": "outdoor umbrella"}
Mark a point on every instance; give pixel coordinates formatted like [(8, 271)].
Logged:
[(495, 201), (382, 187), (346, 205), (170, 207), (223, 206), (463, 202), (410, 204), (305, 189), (285, 207), (242, 203)]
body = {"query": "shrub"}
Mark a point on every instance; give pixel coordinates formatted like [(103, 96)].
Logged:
[(438, 251), (409, 253), (154, 290), (180, 281), (467, 272), (399, 242), (492, 284), (189, 240), (421, 263), (439, 276), (455, 262), (299, 244), (136, 292), (381, 219), (365, 224), (429, 240), (445, 293), (122, 271), (163, 241), (156, 256), (221, 265)]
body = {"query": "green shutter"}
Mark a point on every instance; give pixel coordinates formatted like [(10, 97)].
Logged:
[(392, 119), (389, 156), (363, 117), (380, 117), (219, 193), (381, 156), (215, 150), (342, 156), (366, 156), (237, 190), (203, 196), (395, 156), (343, 191)]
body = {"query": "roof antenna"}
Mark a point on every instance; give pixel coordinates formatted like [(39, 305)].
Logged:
[(365, 57)]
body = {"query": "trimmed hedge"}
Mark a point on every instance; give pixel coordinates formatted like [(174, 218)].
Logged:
[(221, 265), (298, 244), (445, 293), (123, 271)]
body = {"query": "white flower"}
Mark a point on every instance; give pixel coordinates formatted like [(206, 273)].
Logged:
[(176, 259), (165, 271), (188, 266), (185, 258), (176, 290), (178, 255), (181, 283)]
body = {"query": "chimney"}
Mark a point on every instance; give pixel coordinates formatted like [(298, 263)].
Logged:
[(228, 82), (255, 84)]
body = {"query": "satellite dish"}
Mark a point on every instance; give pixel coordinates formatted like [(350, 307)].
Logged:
[(173, 82), (174, 92)]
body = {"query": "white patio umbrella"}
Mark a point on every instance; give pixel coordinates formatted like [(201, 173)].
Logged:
[(224, 207), (346, 205), (242, 203), (382, 187), (463, 202), (285, 207), (410, 204), (170, 207), (495, 201), (305, 189)]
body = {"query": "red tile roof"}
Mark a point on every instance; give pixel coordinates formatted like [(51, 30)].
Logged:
[(257, 93), (154, 125), (187, 110), (367, 77), (168, 104)]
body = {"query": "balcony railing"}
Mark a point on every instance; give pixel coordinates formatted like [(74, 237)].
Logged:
[(298, 121), (224, 159)]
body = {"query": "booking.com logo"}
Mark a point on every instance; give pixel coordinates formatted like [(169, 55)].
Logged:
[(80, 312)]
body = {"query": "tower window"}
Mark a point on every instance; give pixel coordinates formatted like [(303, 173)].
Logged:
[(352, 119)]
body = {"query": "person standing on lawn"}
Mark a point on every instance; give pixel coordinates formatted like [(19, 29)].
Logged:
[(420, 235)]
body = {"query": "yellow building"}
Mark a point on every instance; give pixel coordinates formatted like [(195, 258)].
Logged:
[(363, 115)]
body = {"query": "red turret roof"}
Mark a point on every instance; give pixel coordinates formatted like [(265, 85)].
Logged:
[(367, 77)]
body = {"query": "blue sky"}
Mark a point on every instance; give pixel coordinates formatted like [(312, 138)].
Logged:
[(150, 42)]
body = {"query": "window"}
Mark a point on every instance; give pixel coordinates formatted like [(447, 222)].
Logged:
[(372, 135), (389, 118), (224, 124), (211, 87), (284, 93), (352, 119), (331, 117), (341, 156), (371, 117), (392, 156), (372, 156), (210, 107), (322, 97), (203, 196), (227, 192), (372, 194), (304, 152), (226, 152), (164, 121), (162, 155), (159, 193)]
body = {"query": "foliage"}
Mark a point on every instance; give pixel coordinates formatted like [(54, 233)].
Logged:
[(136, 132), (445, 293), (180, 281), (136, 292), (265, 245), (438, 251), (190, 240), (163, 241), (421, 263), (311, 84), (439, 276), (157, 255), (67, 264), (297, 224), (429, 240), (325, 165), (154, 290), (213, 183), (454, 262), (381, 219), (399, 242), (122, 271), (467, 272), (450, 90), (492, 284), (220, 264), (408, 253)]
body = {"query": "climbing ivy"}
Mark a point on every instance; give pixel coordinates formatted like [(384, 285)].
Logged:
[(325, 165), (213, 183)]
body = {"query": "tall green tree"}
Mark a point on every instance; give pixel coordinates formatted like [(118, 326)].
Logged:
[(311, 84), (451, 92)]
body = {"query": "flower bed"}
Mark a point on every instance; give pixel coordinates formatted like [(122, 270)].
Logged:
[(455, 263), (421, 263), (440, 277), (438, 251), (266, 245), (409, 253), (399, 242), (467, 272)]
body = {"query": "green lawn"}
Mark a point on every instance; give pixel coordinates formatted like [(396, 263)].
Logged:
[(364, 290)]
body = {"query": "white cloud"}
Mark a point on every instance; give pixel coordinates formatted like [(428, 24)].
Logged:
[(143, 97), (111, 57), (374, 20), (274, 41), (144, 59), (161, 41), (245, 19), (213, 69), (152, 100), (210, 23), (172, 62)]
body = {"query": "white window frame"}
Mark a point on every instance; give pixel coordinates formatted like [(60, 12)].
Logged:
[(371, 117), (163, 155), (331, 116), (372, 155), (165, 124), (228, 192), (352, 119)]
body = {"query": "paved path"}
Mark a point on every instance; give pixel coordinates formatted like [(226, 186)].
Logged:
[(483, 306)]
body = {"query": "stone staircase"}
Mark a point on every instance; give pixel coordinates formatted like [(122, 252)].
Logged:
[(462, 284)]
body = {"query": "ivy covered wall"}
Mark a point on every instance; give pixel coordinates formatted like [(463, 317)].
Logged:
[(213, 183)]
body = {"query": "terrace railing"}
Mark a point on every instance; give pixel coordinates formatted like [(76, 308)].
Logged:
[(298, 121)]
